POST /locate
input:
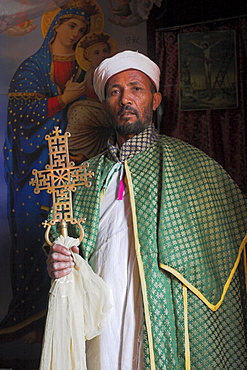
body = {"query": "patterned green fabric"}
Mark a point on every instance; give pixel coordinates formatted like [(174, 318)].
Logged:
[(192, 217)]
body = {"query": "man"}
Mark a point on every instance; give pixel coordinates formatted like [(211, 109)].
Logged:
[(164, 225)]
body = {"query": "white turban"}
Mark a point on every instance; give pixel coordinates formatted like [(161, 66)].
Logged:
[(121, 62)]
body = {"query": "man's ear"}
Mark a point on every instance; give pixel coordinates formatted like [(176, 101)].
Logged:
[(157, 97)]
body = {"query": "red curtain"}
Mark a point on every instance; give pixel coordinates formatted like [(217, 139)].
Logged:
[(219, 133)]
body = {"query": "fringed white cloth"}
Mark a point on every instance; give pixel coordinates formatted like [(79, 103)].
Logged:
[(78, 306)]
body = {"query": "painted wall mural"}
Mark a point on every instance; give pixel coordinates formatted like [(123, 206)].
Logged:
[(46, 80)]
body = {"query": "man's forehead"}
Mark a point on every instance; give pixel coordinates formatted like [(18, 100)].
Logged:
[(134, 75)]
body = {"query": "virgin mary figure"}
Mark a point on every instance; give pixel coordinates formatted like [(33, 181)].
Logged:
[(40, 93)]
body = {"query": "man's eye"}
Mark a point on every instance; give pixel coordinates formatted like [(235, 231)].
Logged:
[(114, 92)]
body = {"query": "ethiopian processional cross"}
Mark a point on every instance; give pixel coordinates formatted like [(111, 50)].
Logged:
[(60, 178)]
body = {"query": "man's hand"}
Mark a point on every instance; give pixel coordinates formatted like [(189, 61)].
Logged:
[(60, 261)]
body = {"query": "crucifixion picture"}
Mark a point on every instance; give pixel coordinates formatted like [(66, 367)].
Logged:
[(207, 70)]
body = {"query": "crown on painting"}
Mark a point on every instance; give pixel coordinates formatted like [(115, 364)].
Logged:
[(93, 38), (86, 5)]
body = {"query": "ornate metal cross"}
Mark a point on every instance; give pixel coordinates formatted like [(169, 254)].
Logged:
[(60, 178)]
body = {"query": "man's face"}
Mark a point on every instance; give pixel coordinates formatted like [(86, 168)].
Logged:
[(130, 102)]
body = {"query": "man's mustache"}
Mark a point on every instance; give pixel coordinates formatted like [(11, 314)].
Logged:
[(127, 108)]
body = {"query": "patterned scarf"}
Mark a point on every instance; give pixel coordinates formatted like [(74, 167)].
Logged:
[(133, 146)]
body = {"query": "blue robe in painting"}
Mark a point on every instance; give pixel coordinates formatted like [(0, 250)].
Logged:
[(26, 149)]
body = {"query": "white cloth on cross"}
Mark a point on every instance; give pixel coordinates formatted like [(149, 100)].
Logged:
[(78, 306)]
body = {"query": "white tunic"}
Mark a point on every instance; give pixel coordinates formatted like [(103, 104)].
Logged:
[(119, 347)]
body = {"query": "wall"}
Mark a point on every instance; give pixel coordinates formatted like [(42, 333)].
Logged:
[(13, 51)]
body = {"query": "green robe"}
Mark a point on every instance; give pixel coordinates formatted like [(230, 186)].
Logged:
[(189, 219)]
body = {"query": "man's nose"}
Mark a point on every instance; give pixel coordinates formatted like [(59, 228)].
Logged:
[(125, 98)]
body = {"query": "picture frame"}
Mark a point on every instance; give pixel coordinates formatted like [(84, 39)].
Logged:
[(207, 70)]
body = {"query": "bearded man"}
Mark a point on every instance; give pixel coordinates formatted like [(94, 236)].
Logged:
[(164, 226)]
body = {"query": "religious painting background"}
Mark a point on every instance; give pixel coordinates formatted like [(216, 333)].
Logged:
[(207, 67), (220, 133), (127, 24)]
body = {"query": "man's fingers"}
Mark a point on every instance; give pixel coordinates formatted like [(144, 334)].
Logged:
[(59, 273), (75, 249), (58, 266), (60, 261), (54, 257), (60, 249), (59, 269)]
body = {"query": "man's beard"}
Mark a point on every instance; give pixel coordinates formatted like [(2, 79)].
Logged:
[(130, 128)]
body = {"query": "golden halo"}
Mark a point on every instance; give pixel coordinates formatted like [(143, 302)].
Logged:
[(79, 52), (96, 21)]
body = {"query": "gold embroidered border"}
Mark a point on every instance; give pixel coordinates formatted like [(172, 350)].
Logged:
[(26, 96), (187, 285), (141, 269), (226, 286), (64, 58)]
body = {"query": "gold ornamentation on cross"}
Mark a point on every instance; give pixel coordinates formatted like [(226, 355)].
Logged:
[(60, 178)]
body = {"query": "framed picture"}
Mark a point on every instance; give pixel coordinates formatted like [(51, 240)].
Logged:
[(207, 70)]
